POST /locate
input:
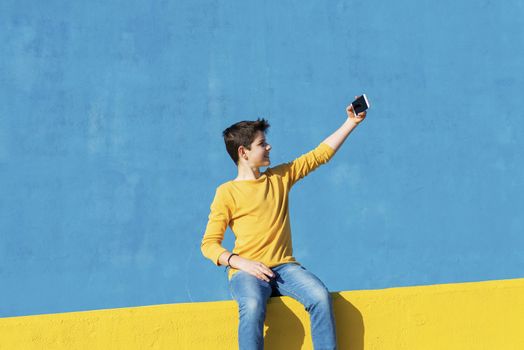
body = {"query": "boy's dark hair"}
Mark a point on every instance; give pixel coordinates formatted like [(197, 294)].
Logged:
[(242, 134)]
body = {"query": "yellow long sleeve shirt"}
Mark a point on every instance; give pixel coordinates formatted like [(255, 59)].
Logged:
[(257, 212)]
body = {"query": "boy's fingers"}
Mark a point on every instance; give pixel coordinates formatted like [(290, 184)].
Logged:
[(268, 271), (262, 276), (264, 270)]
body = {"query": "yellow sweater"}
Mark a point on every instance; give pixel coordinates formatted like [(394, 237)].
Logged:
[(257, 212)]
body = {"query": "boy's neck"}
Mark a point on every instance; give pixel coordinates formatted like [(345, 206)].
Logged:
[(247, 173)]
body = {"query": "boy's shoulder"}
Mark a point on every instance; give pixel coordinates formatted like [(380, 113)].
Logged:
[(223, 187), (279, 170), (223, 193), (277, 167)]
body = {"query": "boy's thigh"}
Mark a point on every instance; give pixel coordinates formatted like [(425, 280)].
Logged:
[(246, 286), (296, 281)]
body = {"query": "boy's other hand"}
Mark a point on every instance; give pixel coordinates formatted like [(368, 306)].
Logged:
[(255, 268), (351, 114)]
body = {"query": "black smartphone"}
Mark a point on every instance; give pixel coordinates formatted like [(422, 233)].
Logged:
[(360, 104)]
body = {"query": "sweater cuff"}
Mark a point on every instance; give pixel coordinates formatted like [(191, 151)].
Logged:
[(327, 149), (217, 263)]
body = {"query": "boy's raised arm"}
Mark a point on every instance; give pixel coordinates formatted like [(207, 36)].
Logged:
[(306, 163), (336, 139)]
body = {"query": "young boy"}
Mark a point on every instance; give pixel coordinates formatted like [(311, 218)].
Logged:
[(255, 206)]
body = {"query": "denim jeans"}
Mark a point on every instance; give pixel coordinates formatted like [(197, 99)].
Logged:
[(295, 281)]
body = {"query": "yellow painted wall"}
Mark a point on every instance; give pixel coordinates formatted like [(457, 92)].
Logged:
[(480, 315)]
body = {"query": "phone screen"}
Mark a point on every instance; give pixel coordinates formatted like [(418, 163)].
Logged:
[(360, 104)]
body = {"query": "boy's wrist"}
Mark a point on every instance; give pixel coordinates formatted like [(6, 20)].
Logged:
[(234, 258), (351, 122), (228, 261)]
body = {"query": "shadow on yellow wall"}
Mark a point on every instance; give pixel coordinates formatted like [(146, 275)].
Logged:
[(286, 322)]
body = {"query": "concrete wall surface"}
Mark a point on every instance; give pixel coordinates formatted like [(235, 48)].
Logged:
[(475, 315)]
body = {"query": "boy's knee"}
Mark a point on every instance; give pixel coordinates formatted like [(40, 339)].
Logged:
[(320, 296)]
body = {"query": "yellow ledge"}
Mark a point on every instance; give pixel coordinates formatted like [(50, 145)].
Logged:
[(478, 315)]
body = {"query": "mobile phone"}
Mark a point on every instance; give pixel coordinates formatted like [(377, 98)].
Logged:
[(360, 104)]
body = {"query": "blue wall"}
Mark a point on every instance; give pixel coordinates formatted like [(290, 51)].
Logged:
[(111, 115)]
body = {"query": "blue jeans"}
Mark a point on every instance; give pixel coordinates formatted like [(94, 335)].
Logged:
[(293, 280)]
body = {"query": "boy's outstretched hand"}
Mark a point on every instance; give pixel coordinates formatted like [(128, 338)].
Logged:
[(351, 114)]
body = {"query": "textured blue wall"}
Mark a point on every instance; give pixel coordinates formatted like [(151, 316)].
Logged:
[(111, 115)]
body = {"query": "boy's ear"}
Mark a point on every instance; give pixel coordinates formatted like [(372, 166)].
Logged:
[(241, 151)]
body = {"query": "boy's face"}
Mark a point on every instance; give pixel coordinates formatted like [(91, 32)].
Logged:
[(259, 154)]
